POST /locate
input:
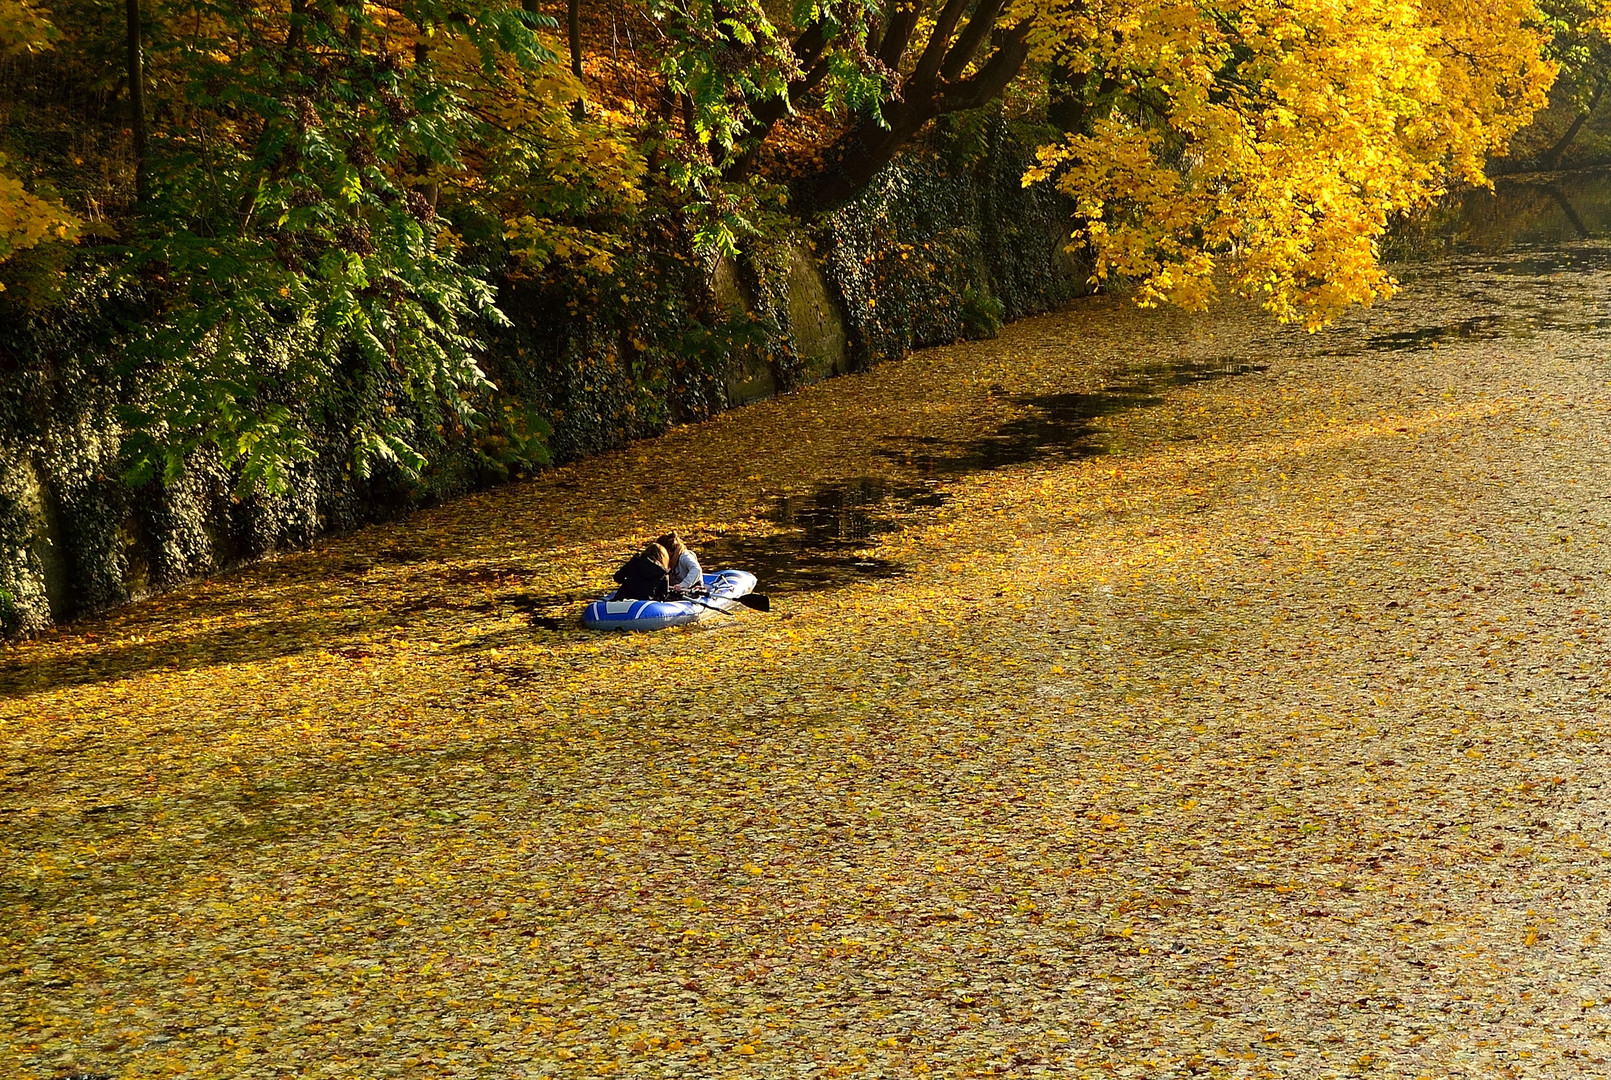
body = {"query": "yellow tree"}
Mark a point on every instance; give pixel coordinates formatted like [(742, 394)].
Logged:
[(1264, 146), (1257, 145), (27, 219)]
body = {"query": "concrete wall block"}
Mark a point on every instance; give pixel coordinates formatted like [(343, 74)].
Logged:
[(750, 377), (816, 325)]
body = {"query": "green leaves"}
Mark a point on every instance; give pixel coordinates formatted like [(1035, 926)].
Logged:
[(294, 243)]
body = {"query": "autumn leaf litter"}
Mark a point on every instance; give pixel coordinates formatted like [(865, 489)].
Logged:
[(1268, 743)]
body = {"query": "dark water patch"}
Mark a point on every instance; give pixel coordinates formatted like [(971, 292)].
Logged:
[(825, 535), (405, 555), (1583, 326), (1586, 258), (852, 510), (1477, 328), (509, 673), (1192, 372), (546, 610), (1061, 427), (551, 611), (829, 536), (483, 577)]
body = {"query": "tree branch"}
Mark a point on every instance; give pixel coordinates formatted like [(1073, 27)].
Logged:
[(858, 155), (928, 64), (808, 48), (136, 62), (991, 79), (975, 34), (896, 36)]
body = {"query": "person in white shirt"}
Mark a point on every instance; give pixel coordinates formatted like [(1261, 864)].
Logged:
[(686, 574)]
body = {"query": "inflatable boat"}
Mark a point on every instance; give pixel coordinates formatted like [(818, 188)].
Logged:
[(725, 586)]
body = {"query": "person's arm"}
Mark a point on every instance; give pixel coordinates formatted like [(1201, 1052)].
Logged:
[(689, 575)]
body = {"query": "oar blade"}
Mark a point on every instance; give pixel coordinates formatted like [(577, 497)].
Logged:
[(756, 601)]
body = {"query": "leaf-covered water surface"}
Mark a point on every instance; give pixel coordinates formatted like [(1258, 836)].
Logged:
[(1254, 730)]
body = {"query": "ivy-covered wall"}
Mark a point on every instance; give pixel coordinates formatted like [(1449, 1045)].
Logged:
[(945, 245), (948, 244)]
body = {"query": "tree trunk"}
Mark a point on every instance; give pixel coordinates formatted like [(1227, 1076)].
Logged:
[(858, 157), (573, 30), (422, 161), (573, 17), (1066, 106), (573, 14), (931, 91), (1552, 157), (808, 48), (136, 73)]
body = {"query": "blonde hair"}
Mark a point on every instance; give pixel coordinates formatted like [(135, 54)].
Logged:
[(674, 547), (657, 555)]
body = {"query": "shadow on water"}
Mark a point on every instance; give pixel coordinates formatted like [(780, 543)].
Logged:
[(1060, 426), (1478, 328), (825, 535), (828, 537)]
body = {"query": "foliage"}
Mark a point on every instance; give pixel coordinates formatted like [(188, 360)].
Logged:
[(1274, 142), (981, 313), (563, 188), (293, 244), (24, 28), (27, 219), (944, 244), (313, 172), (1579, 42)]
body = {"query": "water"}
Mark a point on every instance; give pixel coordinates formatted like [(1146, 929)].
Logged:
[(828, 537), (1500, 261), (1062, 427), (1542, 212), (824, 536)]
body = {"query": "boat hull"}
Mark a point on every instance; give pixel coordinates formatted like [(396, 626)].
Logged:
[(725, 586)]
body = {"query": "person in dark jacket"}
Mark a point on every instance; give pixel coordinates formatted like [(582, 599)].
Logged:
[(644, 576)]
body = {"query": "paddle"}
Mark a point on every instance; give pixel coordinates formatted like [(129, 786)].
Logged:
[(753, 601)]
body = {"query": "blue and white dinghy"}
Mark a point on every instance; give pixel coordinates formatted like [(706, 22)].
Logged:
[(725, 586)]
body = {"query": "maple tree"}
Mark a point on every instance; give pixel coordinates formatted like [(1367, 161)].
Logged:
[(1274, 142)]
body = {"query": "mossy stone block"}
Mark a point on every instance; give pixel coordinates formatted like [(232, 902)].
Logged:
[(749, 376), (815, 322)]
